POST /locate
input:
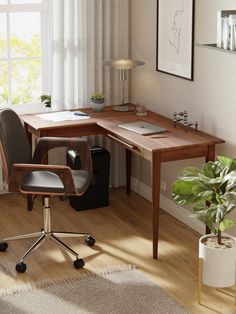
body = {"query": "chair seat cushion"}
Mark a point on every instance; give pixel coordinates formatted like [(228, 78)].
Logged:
[(48, 182)]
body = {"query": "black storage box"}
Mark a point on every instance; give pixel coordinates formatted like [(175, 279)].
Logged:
[(97, 194)]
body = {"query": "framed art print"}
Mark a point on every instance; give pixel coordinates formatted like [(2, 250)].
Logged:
[(175, 37)]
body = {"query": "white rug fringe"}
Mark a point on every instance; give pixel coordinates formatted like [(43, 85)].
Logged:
[(13, 289)]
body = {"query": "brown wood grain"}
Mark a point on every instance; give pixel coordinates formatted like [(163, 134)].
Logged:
[(109, 120), (79, 145), (174, 144), (64, 173), (127, 219), (156, 180), (19, 171)]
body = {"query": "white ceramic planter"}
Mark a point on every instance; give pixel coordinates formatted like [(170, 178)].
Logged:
[(218, 265), (97, 105)]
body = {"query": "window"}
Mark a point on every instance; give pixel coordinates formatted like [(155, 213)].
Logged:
[(23, 52)]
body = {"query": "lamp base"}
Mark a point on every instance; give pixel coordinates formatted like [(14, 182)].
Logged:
[(124, 108)]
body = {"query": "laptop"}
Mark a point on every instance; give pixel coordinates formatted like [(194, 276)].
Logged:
[(142, 128)]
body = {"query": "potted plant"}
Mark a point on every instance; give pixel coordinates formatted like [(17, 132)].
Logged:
[(97, 101), (212, 191), (46, 100)]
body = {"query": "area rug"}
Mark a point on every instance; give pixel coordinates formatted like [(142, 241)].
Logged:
[(117, 290)]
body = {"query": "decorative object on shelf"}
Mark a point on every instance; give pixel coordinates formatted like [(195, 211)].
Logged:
[(226, 29), (214, 47), (123, 65), (232, 31), (46, 100), (225, 33), (212, 190), (175, 37), (97, 101), (183, 117)]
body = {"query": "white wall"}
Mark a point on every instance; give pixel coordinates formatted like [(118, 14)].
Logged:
[(210, 99)]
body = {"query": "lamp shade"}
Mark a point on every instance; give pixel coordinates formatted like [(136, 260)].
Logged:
[(123, 64)]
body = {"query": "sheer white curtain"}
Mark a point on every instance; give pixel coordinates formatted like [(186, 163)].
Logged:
[(85, 34)]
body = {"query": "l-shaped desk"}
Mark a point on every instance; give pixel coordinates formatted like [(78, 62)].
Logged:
[(175, 144)]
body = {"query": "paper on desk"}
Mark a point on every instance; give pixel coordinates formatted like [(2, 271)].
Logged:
[(61, 116)]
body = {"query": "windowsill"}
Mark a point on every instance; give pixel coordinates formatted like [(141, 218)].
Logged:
[(27, 108)]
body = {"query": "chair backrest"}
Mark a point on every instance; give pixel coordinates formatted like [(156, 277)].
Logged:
[(14, 143)]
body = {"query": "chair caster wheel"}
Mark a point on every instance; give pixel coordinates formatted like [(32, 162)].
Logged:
[(90, 241), (3, 246), (79, 263), (21, 267)]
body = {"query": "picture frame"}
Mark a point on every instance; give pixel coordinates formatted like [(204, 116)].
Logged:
[(175, 37)]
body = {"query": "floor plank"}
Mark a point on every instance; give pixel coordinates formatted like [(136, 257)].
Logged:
[(123, 236)]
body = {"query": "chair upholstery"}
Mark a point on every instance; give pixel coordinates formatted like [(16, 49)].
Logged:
[(15, 144), (48, 182), (29, 176)]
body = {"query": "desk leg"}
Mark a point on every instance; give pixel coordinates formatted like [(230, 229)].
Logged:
[(156, 176), (210, 156), (128, 156)]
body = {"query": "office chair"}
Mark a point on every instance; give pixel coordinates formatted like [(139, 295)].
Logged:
[(29, 176)]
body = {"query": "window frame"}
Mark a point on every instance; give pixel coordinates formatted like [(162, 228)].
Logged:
[(43, 9)]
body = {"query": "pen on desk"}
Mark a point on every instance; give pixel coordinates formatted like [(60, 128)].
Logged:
[(82, 114)]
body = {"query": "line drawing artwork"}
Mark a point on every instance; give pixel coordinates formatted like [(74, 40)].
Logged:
[(175, 37), (176, 29)]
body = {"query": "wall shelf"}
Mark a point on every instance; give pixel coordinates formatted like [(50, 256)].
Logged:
[(214, 47)]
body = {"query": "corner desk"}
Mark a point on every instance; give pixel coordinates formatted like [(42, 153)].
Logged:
[(175, 144)]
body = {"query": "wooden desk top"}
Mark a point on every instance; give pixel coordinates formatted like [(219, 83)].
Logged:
[(107, 121)]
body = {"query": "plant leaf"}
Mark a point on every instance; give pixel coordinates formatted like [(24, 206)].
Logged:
[(232, 166), (220, 213), (230, 207), (214, 183), (230, 178), (200, 207), (224, 161), (183, 200), (207, 180), (226, 224), (200, 187), (230, 197), (182, 192), (190, 172), (208, 170), (203, 196), (182, 187)]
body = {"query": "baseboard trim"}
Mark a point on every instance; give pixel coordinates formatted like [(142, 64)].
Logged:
[(168, 206)]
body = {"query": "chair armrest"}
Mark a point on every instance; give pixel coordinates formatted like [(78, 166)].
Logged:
[(78, 144), (20, 170)]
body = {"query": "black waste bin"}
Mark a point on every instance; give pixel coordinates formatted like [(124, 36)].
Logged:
[(97, 194)]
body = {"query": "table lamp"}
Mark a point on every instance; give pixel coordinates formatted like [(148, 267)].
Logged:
[(123, 65)]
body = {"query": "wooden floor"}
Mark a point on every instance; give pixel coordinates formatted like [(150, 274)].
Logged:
[(123, 236)]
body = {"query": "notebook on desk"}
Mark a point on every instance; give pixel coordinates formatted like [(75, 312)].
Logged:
[(143, 128)]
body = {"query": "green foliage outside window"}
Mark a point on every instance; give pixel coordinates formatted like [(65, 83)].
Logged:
[(25, 74)]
